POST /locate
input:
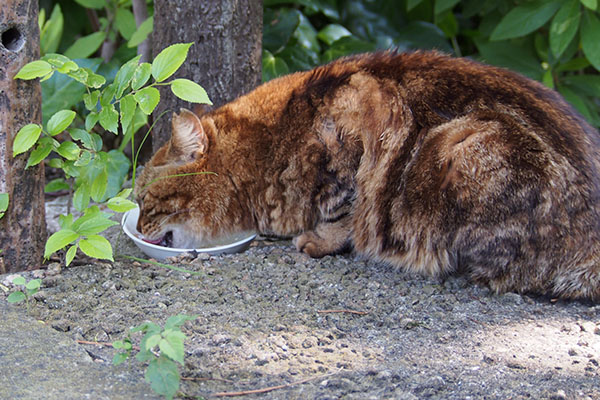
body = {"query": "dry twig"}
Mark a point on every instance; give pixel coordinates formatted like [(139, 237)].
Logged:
[(343, 311)]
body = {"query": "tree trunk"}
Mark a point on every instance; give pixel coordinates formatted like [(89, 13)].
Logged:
[(23, 227), (225, 58)]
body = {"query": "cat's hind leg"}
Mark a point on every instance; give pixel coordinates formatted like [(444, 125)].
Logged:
[(326, 239)]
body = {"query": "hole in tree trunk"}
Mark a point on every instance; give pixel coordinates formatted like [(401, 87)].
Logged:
[(12, 39)]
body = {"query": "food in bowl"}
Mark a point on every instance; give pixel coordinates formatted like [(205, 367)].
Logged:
[(160, 249)]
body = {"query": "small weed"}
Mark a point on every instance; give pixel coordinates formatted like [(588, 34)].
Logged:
[(30, 288), (163, 348)]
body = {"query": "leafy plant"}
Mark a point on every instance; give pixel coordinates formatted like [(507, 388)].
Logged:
[(553, 41), (29, 289), (110, 22), (91, 173), (163, 348)]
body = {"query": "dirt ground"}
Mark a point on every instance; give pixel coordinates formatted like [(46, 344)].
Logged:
[(273, 320)]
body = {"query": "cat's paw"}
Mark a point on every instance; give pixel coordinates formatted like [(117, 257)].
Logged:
[(311, 244)]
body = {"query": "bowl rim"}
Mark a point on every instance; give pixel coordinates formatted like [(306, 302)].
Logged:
[(141, 242)]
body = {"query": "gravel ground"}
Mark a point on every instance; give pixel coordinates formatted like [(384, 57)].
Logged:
[(338, 327)]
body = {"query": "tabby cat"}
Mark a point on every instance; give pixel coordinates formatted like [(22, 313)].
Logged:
[(435, 164)]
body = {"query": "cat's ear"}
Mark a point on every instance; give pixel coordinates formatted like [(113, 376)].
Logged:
[(188, 138)]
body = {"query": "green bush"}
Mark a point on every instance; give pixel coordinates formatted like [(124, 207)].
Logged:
[(556, 42)]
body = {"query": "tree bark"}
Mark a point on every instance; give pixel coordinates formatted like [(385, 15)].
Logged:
[(23, 227), (225, 58)]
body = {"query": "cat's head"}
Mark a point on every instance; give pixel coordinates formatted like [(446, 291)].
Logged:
[(169, 188)]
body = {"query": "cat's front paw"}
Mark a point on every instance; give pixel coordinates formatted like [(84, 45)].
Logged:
[(311, 244)]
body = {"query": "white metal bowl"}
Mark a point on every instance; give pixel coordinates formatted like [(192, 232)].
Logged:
[(129, 224)]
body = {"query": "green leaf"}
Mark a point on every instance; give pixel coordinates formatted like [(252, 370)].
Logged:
[(272, 66), (586, 84), (333, 32), (41, 151), (576, 101), (510, 55), (99, 184), (94, 80), (86, 45), (56, 185), (591, 4), (117, 344), (346, 46), (564, 27), (444, 5), (3, 202), (81, 197), (92, 224), (26, 138), (69, 150), (91, 120), (306, 35), (590, 38), (278, 28), (120, 204), (96, 142), (125, 75), (125, 193), (176, 321), (51, 32), (90, 100), (168, 61), (189, 91), (172, 346), (33, 284), (114, 163), (19, 280), (410, 4), (299, 58), (60, 62), (109, 118), (96, 4), (145, 327), (34, 69), (525, 19), (59, 240), (148, 99), (152, 341), (60, 121), (65, 221), (141, 75), (141, 33), (125, 22), (83, 136), (448, 24), (56, 163), (62, 92), (127, 105), (96, 246), (163, 376), (120, 358), (67, 67), (420, 35), (70, 255), (84, 158), (117, 165), (16, 297)]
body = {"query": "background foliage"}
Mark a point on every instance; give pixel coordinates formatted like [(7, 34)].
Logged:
[(553, 41)]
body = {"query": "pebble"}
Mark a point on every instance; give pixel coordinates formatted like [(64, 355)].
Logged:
[(559, 395)]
